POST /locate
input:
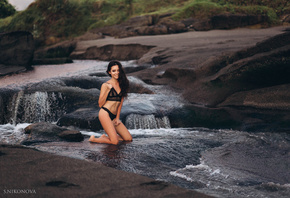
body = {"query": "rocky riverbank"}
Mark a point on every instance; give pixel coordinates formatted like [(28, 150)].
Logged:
[(231, 78), (39, 174)]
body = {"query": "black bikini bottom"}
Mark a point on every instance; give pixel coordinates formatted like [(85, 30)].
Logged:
[(111, 115)]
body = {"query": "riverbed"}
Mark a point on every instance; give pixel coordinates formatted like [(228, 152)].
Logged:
[(218, 162)]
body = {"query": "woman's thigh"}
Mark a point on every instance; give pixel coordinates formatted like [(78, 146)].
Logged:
[(123, 132), (107, 124)]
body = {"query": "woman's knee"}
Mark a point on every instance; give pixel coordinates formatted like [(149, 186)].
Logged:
[(128, 138), (115, 142)]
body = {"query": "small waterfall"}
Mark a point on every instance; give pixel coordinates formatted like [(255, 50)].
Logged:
[(136, 121), (36, 107), (15, 103)]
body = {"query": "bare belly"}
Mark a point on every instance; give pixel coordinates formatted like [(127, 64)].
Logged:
[(112, 106)]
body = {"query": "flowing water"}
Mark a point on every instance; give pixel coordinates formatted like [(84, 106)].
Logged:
[(222, 163)]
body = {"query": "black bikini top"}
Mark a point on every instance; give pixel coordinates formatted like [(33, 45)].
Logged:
[(114, 96)]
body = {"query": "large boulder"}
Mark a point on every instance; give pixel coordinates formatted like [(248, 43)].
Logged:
[(16, 51), (249, 88), (84, 118), (55, 54), (264, 65)]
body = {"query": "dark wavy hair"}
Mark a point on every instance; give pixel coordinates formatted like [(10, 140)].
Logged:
[(123, 80)]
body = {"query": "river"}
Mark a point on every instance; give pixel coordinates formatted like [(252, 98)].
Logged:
[(218, 162)]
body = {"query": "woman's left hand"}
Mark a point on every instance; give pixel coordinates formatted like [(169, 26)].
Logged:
[(117, 122)]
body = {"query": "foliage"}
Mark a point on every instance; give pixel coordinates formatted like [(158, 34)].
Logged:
[(199, 9), (276, 5), (64, 19), (208, 8), (6, 9)]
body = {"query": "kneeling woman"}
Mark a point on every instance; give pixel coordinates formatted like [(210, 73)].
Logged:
[(111, 100)]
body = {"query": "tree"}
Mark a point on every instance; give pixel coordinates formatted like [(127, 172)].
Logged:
[(6, 9)]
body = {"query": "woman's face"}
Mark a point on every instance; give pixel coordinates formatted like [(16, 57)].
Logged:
[(114, 71)]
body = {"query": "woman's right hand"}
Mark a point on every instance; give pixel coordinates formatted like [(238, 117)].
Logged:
[(109, 86)]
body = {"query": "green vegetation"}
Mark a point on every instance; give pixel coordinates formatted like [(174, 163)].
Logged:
[(6, 9), (57, 20), (208, 8)]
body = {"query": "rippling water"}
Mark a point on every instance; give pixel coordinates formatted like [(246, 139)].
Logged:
[(223, 163)]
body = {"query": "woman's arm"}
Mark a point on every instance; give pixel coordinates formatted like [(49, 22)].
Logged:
[(105, 89)]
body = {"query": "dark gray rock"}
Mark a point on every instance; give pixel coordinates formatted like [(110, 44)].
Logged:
[(55, 54), (71, 135), (249, 88), (229, 21), (16, 51), (85, 118), (16, 48), (231, 117), (44, 129), (47, 132)]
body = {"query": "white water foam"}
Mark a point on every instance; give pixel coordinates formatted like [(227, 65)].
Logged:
[(12, 134), (186, 173)]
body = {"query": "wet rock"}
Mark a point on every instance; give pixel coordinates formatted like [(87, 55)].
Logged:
[(44, 128), (84, 118), (198, 116), (71, 135), (47, 132), (274, 97), (16, 51)]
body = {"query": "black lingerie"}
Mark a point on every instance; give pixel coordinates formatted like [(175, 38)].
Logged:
[(111, 115), (114, 96)]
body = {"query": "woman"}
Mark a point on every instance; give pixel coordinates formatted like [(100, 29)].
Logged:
[(111, 100)]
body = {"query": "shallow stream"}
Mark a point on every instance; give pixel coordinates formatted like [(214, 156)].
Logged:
[(222, 163)]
